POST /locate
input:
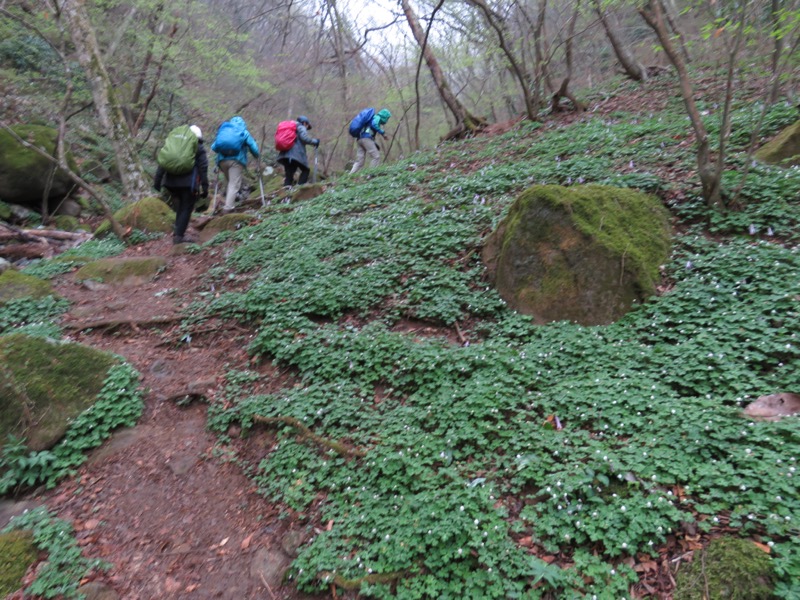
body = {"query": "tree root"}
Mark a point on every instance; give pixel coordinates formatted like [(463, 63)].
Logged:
[(354, 584), (306, 433), (110, 324)]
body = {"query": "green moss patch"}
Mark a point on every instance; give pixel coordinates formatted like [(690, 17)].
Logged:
[(728, 569), (782, 150), (230, 222), (149, 214), (45, 384), (584, 253), (17, 553), (24, 173), (122, 270), (15, 285)]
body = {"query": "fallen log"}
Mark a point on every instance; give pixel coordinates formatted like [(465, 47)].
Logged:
[(58, 234)]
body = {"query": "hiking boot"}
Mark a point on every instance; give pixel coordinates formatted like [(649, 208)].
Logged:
[(178, 239)]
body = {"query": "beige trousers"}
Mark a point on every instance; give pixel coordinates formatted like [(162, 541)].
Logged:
[(366, 146), (233, 173)]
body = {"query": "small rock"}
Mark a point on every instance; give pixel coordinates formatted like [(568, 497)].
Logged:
[(773, 407), (94, 590), (270, 565), (183, 464), (94, 286), (201, 387), (4, 265), (292, 541)]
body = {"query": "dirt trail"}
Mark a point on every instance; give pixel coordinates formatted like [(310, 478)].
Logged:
[(174, 521)]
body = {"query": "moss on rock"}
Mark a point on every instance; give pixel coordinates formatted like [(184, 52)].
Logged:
[(66, 223), (24, 173), (15, 285), (230, 222), (783, 150), (47, 384), (584, 253), (5, 211), (728, 569), (122, 270), (17, 553), (148, 214)]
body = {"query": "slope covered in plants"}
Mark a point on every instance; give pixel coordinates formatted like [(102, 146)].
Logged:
[(439, 445)]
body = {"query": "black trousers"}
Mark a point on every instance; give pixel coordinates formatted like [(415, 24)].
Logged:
[(290, 168), (185, 199)]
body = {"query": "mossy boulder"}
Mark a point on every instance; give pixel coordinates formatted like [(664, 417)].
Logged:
[(307, 192), (585, 254), (728, 569), (45, 384), (149, 214), (17, 553), (783, 150), (125, 271), (15, 285), (24, 173), (230, 222), (66, 223)]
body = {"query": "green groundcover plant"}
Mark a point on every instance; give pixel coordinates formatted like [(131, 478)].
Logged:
[(434, 429), (119, 404), (60, 575)]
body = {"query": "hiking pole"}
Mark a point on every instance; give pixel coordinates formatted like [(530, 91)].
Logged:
[(314, 177), (261, 183), (212, 206)]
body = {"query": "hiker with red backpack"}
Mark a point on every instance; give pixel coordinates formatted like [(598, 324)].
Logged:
[(364, 127), (183, 170), (231, 146), (291, 139)]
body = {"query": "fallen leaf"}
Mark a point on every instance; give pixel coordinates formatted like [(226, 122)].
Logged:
[(329, 526), (526, 542), (223, 542), (246, 541), (763, 547)]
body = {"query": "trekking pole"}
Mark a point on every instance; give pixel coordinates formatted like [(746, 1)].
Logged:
[(213, 204), (261, 183), (314, 177)]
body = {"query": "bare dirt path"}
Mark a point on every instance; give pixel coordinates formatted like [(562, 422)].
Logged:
[(174, 520)]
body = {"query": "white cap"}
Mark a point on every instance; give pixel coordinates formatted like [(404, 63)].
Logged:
[(196, 130)]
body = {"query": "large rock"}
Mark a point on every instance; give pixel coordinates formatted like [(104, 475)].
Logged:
[(585, 254), (24, 173), (45, 384), (151, 215), (125, 271), (783, 150), (17, 553), (230, 222), (15, 285)]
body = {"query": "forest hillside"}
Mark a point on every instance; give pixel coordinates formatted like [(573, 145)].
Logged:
[(324, 395)]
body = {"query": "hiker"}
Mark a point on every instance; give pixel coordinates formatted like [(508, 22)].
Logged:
[(295, 157), (185, 188), (366, 140), (231, 146)]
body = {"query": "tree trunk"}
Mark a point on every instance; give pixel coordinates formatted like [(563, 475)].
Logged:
[(466, 122), (109, 111), (632, 67), (710, 178), (563, 91), (495, 23)]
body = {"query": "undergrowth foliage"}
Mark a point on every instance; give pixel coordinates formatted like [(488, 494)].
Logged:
[(594, 444), (61, 574), (119, 404)]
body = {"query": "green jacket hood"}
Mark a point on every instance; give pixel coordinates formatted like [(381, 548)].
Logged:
[(384, 115)]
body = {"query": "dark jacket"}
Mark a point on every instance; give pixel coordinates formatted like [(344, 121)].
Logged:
[(297, 152), (197, 178)]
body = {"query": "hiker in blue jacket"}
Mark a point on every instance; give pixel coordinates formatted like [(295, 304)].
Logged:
[(186, 188), (366, 140), (295, 157), (233, 162)]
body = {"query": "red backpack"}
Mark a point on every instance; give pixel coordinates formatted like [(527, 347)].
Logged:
[(285, 135)]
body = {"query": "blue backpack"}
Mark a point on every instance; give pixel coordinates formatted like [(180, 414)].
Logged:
[(230, 139), (360, 121)]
